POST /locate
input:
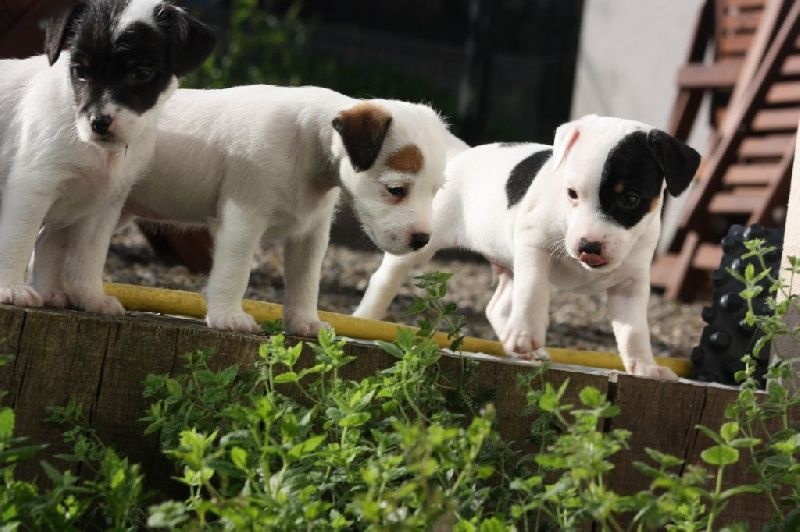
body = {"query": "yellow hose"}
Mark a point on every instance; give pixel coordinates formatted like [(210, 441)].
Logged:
[(183, 303)]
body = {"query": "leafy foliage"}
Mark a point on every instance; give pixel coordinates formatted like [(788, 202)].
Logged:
[(293, 443)]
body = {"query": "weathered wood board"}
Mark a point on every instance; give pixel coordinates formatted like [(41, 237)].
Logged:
[(102, 362)]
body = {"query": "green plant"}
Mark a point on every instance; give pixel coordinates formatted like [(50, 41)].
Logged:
[(290, 442)]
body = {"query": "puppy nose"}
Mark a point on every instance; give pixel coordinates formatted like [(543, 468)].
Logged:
[(418, 240), (101, 123), (593, 248)]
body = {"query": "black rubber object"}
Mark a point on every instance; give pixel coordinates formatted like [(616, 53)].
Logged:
[(726, 337)]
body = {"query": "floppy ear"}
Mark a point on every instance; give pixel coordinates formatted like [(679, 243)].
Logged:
[(190, 41), (363, 129), (565, 138), (678, 161), (58, 30)]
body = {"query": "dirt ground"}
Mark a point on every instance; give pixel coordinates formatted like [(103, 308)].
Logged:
[(576, 321)]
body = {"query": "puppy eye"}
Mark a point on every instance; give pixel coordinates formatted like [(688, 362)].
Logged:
[(629, 200), (397, 192), (80, 72), (572, 193), (141, 74)]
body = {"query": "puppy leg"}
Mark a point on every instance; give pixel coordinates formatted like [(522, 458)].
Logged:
[(23, 209), (499, 308), (47, 268), (387, 279), (89, 239), (235, 241), (525, 330), (627, 307), (302, 266)]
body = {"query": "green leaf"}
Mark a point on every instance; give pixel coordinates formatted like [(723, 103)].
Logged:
[(729, 430), (289, 376), (239, 457), (591, 396), (6, 424), (720, 455), (354, 420), (738, 490)]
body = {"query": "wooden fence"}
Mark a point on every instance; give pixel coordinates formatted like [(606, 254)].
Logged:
[(101, 362)]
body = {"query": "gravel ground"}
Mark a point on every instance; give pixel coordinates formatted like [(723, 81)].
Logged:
[(576, 321)]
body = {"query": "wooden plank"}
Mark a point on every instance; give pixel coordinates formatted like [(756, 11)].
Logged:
[(764, 147), (773, 120), (707, 257), (741, 21), (12, 321), (733, 203), (750, 174), (641, 411), (735, 45), (714, 76), (776, 193), (673, 289), (687, 102), (61, 356), (784, 93), (663, 269), (791, 67), (753, 509)]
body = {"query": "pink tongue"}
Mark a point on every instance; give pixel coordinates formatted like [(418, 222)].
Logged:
[(591, 259)]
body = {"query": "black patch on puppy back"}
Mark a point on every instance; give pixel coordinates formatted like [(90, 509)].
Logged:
[(521, 177), (630, 169)]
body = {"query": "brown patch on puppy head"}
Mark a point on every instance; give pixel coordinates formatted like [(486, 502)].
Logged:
[(363, 129), (654, 203), (619, 186), (407, 159)]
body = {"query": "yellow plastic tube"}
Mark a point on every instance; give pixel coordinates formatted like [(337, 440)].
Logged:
[(192, 304)]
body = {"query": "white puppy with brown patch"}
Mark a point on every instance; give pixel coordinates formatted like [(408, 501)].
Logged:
[(270, 161), (582, 215)]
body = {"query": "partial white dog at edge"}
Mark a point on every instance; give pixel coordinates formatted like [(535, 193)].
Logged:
[(582, 216), (264, 161), (76, 129)]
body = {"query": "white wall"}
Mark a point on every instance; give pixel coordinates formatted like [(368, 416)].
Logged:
[(629, 56)]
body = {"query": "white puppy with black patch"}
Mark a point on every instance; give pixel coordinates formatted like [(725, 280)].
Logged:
[(76, 129), (582, 215), (265, 161)]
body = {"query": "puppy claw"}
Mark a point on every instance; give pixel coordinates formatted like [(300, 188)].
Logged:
[(55, 298), (308, 328), (21, 296), (100, 304), (652, 371), (233, 321)]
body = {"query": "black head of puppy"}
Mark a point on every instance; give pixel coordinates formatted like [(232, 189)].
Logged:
[(124, 58)]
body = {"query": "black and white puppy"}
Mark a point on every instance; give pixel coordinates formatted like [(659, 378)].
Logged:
[(582, 215), (77, 126)]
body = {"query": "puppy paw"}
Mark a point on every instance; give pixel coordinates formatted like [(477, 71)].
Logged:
[(652, 371), (20, 295), (521, 340), (232, 321), (55, 298), (305, 327), (98, 304)]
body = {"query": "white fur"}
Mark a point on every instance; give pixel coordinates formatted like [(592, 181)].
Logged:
[(265, 161), (51, 176), (537, 241), (137, 11)]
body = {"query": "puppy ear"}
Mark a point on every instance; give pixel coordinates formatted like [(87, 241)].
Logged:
[(363, 129), (190, 41), (566, 137), (678, 161), (59, 29)]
